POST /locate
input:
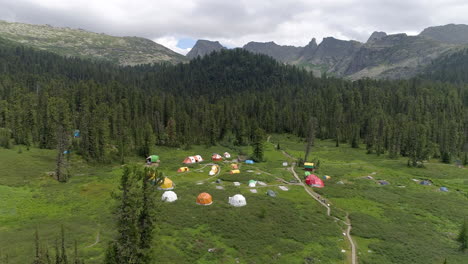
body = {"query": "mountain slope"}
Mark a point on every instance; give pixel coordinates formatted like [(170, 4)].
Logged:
[(204, 47), (395, 56), (81, 43), (451, 33)]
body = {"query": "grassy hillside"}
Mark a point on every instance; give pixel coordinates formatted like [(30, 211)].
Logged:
[(403, 222), (85, 44)]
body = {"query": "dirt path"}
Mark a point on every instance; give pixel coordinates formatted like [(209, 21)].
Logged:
[(325, 204), (350, 239), (97, 241)]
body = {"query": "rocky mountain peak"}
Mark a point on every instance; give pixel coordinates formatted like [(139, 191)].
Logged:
[(376, 36), (204, 47)]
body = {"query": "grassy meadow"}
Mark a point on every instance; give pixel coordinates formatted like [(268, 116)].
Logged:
[(403, 222)]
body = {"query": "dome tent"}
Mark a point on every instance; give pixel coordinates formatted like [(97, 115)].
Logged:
[(166, 185), (152, 159), (314, 181), (214, 170), (204, 199), (237, 200), (189, 160), (252, 183), (216, 157), (227, 155), (443, 189), (169, 196), (183, 169)]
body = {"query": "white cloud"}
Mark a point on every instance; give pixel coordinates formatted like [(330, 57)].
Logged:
[(171, 43), (234, 23)]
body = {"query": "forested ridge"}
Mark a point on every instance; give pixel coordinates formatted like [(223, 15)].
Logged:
[(221, 98)]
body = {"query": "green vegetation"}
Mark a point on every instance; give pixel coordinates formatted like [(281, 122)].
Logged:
[(227, 101), (404, 222), (84, 44)]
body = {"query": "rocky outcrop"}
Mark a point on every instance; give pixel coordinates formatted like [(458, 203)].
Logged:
[(281, 53), (204, 47)]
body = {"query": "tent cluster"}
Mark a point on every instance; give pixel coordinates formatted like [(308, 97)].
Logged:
[(193, 159), (314, 181), (217, 157)]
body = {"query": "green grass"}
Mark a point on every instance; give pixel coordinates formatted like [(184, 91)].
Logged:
[(403, 222), (391, 224)]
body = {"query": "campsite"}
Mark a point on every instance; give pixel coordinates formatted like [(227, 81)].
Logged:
[(287, 227)]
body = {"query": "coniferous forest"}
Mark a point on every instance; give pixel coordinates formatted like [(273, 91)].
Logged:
[(223, 98)]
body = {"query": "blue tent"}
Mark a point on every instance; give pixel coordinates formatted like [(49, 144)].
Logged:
[(425, 182), (443, 189), (383, 182), (76, 133), (249, 162), (66, 152)]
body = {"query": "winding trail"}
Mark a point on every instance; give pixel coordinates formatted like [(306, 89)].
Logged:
[(97, 241), (324, 203)]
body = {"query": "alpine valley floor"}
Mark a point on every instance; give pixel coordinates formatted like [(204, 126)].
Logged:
[(402, 222)]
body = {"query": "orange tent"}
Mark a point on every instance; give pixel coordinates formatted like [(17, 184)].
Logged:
[(204, 199)]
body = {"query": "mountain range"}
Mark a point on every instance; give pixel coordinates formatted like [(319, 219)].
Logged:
[(382, 56), (394, 56)]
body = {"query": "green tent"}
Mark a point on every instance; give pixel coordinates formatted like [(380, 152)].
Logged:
[(306, 173), (153, 158)]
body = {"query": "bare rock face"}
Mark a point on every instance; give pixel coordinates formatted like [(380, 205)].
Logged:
[(281, 53), (204, 47), (376, 36)]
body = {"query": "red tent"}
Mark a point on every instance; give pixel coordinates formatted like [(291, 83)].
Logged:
[(314, 181), (216, 157), (189, 160)]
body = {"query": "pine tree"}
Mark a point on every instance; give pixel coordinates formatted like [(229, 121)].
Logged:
[(312, 125), (463, 236), (38, 256), (63, 253), (257, 144)]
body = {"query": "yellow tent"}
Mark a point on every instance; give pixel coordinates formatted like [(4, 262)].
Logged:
[(183, 169), (166, 185), (234, 171)]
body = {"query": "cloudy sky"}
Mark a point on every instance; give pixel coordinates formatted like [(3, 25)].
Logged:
[(177, 24)]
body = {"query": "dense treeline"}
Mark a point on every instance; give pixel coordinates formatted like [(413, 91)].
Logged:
[(221, 98), (451, 67)]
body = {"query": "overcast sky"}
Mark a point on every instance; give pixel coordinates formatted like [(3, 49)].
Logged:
[(177, 24)]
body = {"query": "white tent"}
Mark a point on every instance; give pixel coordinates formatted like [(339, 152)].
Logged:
[(237, 200), (227, 155), (169, 196), (252, 183)]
